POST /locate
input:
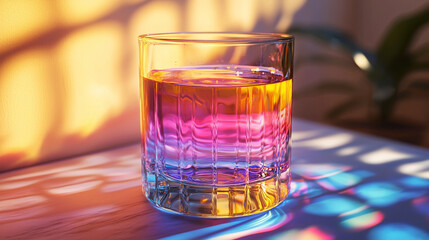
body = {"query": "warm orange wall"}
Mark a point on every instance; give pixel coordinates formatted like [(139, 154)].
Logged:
[(69, 71)]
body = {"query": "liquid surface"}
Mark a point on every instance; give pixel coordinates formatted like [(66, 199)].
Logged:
[(216, 127)]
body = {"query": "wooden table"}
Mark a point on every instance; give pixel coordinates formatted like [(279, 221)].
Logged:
[(346, 186)]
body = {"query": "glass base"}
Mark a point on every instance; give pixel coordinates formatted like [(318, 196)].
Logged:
[(217, 201)]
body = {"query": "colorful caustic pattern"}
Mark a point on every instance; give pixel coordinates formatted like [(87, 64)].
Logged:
[(220, 131), (339, 190)]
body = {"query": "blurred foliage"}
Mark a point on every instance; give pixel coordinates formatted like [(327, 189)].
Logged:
[(385, 68)]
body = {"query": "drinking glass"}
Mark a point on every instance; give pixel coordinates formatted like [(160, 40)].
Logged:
[(216, 121)]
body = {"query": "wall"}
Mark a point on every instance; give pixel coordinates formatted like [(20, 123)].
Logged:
[(69, 70)]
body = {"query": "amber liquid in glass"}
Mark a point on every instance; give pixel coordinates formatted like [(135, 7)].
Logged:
[(216, 139)]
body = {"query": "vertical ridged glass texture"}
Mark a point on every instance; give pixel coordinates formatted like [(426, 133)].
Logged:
[(216, 139)]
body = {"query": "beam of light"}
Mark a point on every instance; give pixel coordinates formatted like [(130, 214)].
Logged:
[(332, 206), (23, 20), (93, 172), (68, 170), (397, 231), (204, 231), (94, 211), (318, 171), (16, 185), (21, 214), (363, 173), (90, 77), (113, 187), (361, 61), (354, 211), (348, 151), (74, 188), (415, 182), (206, 15), (91, 161), (339, 181), (156, 17), (362, 220), (312, 232), (418, 169), (304, 189), (300, 135), (239, 228), (26, 111), (247, 17), (72, 12), (20, 203), (123, 176), (328, 142), (354, 215), (68, 73), (298, 188), (384, 194), (272, 220), (131, 157), (384, 155)]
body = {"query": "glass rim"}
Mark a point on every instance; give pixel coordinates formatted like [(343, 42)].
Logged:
[(221, 37)]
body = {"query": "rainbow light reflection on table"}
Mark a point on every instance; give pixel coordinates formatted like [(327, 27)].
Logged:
[(336, 199), (339, 191)]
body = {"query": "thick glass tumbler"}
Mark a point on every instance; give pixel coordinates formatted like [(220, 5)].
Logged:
[(216, 121)]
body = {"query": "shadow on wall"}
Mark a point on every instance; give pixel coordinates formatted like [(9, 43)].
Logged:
[(69, 71), (359, 191)]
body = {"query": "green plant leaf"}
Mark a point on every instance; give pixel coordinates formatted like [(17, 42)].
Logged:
[(344, 107), (398, 38), (332, 86), (324, 59)]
